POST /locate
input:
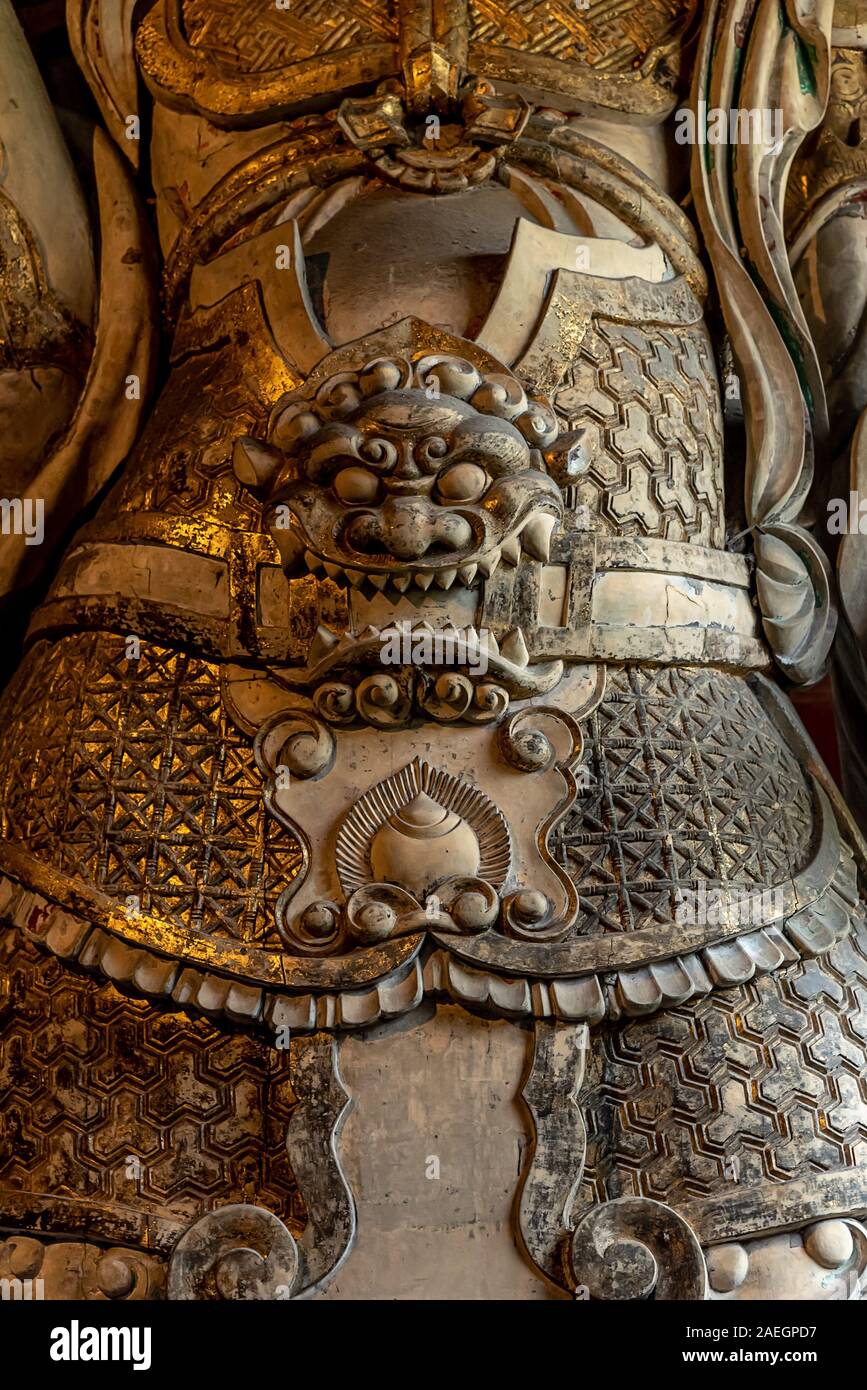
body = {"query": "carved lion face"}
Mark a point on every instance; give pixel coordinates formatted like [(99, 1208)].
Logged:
[(411, 471)]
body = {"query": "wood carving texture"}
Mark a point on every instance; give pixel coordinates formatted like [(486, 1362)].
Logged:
[(138, 783), (111, 1100)]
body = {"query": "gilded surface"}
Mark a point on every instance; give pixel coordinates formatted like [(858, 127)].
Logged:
[(837, 154), (220, 59), (245, 796), (113, 1102), (609, 38), (131, 778), (256, 37)]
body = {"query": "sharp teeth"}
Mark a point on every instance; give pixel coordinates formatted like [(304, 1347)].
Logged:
[(445, 578), (488, 563), (514, 648), (312, 561), (291, 547), (467, 574), (489, 642), (378, 581), (536, 536), (333, 571), (356, 578), (402, 582), (323, 642), (424, 581), (511, 550)]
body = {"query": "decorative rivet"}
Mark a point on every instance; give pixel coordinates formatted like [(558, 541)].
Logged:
[(727, 1267), (529, 905), (376, 922), (829, 1243), (319, 920), (474, 912), (115, 1277)]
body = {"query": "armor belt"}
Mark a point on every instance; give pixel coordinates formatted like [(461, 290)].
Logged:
[(598, 599)]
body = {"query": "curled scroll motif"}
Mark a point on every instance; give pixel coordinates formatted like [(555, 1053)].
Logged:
[(297, 743), (61, 1269), (235, 1252), (524, 742), (635, 1248), (334, 702), (533, 741), (826, 1260), (381, 700), (796, 597), (389, 701), (444, 673), (380, 911), (781, 66), (453, 695)]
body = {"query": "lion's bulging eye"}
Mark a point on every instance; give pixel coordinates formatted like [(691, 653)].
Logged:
[(464, 483)]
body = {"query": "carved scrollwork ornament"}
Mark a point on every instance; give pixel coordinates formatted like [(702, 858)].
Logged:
[(636, 1248), (308, 749), (525, 744), (334, 701), (317, 931), (383, 701), (233, 1253), (453, 695), (296, 744)]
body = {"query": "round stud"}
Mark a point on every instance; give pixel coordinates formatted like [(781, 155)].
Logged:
[(474, 912), (115, 1277), (376, 922), (24, 1255), (319, 920), (829, 1243), (531, 750), (529, 906), (727, 1267)]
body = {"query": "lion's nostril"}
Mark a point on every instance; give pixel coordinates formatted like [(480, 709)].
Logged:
[(453, 531), (364, 532)]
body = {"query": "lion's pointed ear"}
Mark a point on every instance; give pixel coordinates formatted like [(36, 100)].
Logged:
[(255, 464)]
